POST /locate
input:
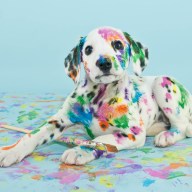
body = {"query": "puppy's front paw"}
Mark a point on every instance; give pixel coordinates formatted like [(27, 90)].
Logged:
[(164, 139), (78, 155), (9, 157)]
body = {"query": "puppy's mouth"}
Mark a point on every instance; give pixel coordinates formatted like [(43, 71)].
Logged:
[(104, 75)]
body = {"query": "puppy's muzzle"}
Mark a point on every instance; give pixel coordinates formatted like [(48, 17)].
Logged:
[(104, 65)]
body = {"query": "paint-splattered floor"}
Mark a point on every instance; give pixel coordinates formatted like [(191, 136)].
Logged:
[(145, 169)]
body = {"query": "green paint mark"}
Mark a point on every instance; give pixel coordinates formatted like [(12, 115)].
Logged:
[(81, 100), (137, 51), (28, 116), (184, 95), (89, 132), (145, 150), (122, 122), (173, 175), (38, 128), (115, 63)]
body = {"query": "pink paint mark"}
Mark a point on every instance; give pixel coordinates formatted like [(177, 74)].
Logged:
[(144, 100), (168, 96), (136, 130), (105, 111), (162, 174), (65, 177), (165, 82), (110, 34), (149, 110), (167, 110), (168, 134)]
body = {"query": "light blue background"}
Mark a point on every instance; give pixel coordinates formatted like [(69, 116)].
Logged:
[(35, 36)]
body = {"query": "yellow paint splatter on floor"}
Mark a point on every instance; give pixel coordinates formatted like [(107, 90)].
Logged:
[(106, 181)]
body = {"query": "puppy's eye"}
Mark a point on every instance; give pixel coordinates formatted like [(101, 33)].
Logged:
[(117, 45), (88, 50)]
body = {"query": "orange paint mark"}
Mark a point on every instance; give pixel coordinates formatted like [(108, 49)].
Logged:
[(36, 177), (122, 109), (11, 146), (141, 122), (131, 137), (177, 165), (104, 125)]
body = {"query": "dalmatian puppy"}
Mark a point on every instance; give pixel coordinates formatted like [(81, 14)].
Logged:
[(112, 107)]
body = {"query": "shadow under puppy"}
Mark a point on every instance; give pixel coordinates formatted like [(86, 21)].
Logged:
[(113, 107)]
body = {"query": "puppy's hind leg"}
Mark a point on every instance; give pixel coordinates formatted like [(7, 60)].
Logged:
[(174, 101)]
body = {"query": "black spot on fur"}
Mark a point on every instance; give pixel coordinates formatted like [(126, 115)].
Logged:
[(74, 95), (52, 135), (115, 83), (95, 87), (142, 62), (146, 53), (61, 128), (45, 141), (113, 100), (100, 103), (91, 95), (57, 125), (139, 44)]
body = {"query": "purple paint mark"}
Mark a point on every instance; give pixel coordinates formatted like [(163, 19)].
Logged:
[(100, 94), (119, 137), (98, 153), (85, 83), (136, 130), (110, 155), (126, 94)]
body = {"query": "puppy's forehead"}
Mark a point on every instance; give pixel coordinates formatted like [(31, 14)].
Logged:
[(107, 33)]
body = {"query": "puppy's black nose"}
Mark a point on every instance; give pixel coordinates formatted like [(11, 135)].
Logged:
[(104, 65)]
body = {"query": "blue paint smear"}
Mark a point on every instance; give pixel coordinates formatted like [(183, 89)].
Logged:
[(138, 94), (80, 115), (148, 182), (174, 130)]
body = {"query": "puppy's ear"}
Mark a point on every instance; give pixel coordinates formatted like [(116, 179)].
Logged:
[(139, 55), (73, 60)]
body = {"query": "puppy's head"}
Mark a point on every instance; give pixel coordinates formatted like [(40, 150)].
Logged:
[(106, 53)]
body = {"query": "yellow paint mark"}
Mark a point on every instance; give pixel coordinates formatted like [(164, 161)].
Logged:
[(106, 181), (5, 139), (23, 106), (33, 104), (175, 88), (38, 157), (120, 99), (119, 165)]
